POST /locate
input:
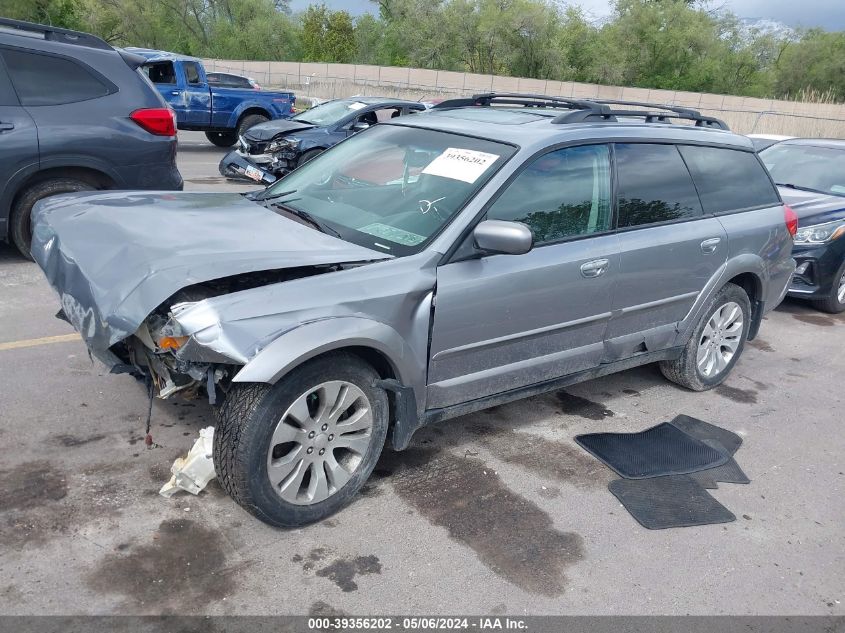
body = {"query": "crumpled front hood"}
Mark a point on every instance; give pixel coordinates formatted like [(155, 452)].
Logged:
[(269, 129), (812, 207), (114, 257)]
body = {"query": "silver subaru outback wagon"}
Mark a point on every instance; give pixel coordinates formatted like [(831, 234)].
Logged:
[(490, 249)]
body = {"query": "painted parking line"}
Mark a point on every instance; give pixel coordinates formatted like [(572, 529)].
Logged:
[(35, 342)]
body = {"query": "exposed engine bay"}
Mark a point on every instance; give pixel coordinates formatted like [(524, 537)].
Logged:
[(161, 353)]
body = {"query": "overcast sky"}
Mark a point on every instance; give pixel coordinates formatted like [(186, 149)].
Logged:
[(828, 14)]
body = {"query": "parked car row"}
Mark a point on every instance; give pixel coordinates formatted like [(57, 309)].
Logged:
[(408, 264), (342, 306)]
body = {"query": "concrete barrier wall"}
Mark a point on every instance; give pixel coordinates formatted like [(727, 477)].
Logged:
[(329, 81)]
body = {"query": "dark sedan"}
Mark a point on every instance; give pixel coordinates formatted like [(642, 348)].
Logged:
[(810, 174), (269, 150)]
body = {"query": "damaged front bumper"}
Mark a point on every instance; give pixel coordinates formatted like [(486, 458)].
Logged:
[(237, 166)]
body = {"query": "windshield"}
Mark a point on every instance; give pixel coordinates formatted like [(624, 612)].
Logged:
[(391, 187), (330, 112), (807, 167)]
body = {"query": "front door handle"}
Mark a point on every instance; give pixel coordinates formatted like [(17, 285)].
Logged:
[(5, 127), (710, 246), (175, 93), (594, 268)]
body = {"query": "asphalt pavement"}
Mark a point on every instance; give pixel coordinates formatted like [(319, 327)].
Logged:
[(496, 512)]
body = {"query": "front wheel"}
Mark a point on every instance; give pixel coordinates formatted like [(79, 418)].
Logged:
[(834, 303), (716, 343), (308, 156), (298, 451)]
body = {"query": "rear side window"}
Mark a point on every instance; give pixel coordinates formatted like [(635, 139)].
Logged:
[(160, 72), (728, 179), (7, 94), (192, 73), (562, 194), (49, 80), (654, 185)]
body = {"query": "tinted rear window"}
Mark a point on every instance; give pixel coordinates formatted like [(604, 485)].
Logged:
[(653, 185), (49, 80), (728, 179)]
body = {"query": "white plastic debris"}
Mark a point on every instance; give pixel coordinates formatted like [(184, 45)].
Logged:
[(195, 470)]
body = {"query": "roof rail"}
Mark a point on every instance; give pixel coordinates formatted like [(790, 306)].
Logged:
[(585, 110), (52, 33), (514, 98)]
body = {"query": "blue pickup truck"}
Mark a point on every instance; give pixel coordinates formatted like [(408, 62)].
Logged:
[(222, 113)]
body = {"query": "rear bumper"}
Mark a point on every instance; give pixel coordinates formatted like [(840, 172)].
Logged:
[(152, 177), (817, 267)]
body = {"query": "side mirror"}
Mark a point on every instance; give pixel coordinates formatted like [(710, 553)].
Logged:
[(506, 238), (360, 125)]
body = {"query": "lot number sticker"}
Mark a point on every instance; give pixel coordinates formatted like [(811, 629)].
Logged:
[(460, 164)]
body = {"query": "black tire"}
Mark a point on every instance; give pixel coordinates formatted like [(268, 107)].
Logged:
[(222, 139), (20, 220), (684, 371), (831, 303), (248, 418), (311, 154), (249, 120)]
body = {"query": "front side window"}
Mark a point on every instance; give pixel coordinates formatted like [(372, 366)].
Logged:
[(654, 185), (389, 188), (809, 167), (48, 80), (192, 73), (562, 194), (728, 179)]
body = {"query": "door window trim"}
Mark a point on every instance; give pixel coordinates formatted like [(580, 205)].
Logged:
[(450, 254), (637, 227)]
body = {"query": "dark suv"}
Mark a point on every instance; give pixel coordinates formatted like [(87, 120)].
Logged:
[(75, 115), (433, 265)]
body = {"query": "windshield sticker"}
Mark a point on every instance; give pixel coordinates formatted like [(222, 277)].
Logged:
[(357, 105), (460, 164), (398, 236)]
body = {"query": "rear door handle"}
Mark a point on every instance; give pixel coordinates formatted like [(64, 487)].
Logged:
[(710, 246), (175, 93), (4, 127), (594, 268)]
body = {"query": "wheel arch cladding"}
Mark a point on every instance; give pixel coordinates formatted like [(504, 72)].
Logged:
[(753, 287), (375, 342), (246, 110)]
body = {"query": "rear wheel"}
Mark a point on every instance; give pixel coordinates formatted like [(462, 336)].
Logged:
[(222, 139), (835, 301), (249, 120), (21, 217), (298, 451), (716, 343)]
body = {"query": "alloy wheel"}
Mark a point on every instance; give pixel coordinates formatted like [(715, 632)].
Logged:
[(720, 339), (320, 442), (840, 293)]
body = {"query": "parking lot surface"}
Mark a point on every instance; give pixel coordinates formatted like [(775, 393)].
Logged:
[(496, 512)]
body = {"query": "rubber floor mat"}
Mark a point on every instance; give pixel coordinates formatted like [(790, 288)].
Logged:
[(702, 430), (664, 449), (668, 502), (728, 473)]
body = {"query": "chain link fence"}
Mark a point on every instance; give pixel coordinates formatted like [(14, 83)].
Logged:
[(746, 115)]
